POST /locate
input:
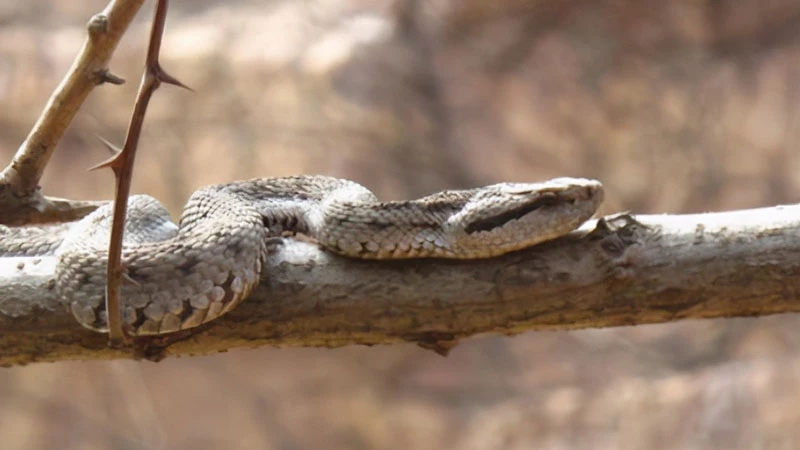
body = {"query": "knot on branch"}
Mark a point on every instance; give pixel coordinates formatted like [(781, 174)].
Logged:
[(97, 26), (618, 232)]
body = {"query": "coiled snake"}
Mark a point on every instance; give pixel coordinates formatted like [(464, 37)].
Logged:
[(182, 276)]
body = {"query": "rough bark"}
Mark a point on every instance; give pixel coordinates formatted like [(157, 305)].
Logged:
[(610, 273)]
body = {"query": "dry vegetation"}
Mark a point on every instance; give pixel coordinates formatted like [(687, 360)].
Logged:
[(698, 99)]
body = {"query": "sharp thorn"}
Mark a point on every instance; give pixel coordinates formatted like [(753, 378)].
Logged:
[(105, 76), (164, 77), (113, 149), (111, 163)]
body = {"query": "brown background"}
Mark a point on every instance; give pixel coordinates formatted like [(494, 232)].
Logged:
[(681, 106)]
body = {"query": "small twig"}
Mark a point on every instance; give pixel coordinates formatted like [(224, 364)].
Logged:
[(20, 199), (122, 166)]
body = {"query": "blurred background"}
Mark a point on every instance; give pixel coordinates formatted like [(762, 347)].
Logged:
[(678, 107)]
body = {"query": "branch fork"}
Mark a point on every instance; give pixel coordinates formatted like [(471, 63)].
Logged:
[(21, 201)]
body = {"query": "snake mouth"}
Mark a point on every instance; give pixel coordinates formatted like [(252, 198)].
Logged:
[(547, 200)]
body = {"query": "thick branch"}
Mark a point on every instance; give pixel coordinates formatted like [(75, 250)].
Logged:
[(20, 200), (739, 263)]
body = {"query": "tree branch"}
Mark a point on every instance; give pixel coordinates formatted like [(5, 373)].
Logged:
[(610, 273), (20, 199), (122, 166)]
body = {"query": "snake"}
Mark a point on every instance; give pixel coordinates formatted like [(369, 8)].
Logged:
[(179, 276)]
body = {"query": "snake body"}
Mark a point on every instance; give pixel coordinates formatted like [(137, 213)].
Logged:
[(179, 277)]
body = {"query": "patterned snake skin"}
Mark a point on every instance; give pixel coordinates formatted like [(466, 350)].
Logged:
[(179, 277)]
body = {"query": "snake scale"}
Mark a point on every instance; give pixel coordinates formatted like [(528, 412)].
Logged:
[(180, 276)]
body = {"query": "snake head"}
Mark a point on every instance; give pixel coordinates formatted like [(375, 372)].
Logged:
[(510, 216)]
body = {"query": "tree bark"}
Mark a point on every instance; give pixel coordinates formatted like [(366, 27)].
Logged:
[(613, 272)]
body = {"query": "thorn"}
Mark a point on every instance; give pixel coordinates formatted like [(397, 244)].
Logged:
[(162, 76), (113, 163), (105, 76), (113, 149)]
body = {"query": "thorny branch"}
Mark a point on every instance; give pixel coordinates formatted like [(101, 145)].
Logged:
[(21, 202), (122, 166)]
